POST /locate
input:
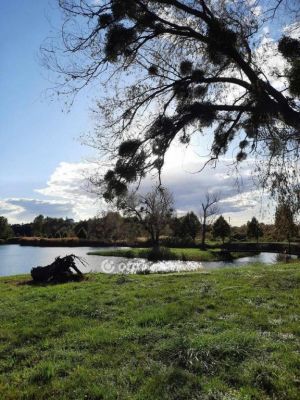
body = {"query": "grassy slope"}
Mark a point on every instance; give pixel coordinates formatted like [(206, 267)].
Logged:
[(190, 254), (227, 334)]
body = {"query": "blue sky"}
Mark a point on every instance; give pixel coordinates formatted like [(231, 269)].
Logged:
[(35, 134), (42, 164)]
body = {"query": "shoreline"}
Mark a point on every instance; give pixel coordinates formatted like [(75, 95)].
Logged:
[(176, 254), (66, 242)]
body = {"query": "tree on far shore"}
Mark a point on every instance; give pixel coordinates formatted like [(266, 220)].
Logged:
[(190, 226), (285, 226), (221, 229), (153, 210), (209, 209), (5, 228), (254, 229)]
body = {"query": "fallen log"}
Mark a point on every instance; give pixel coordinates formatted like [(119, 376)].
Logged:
[(62, 269)]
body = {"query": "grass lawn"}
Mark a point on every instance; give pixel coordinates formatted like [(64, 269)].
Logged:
[(230, 334), (189, 254)]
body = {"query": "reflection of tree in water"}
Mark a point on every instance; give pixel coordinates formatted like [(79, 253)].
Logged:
[(285, 257)]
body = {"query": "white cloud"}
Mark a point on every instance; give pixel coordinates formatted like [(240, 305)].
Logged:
[(9, 210), (70, 182), (240, 199), (271, 62), (292, 30), (67, 193)]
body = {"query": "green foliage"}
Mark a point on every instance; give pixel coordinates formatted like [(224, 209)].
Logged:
[(160, 254), (37, 226), (178, 240), (152, 210), (227, 334), (82, 233), (221, 228), (188, 226), (254, 229), (5, 229), (180, 253), (284, 222)]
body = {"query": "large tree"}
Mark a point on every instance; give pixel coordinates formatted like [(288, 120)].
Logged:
[(171, 68)]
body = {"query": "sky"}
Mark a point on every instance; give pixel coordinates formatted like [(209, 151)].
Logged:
[(43, 164), (37, 132)]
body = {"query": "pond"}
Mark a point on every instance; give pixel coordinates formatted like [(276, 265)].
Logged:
[(15, 260)]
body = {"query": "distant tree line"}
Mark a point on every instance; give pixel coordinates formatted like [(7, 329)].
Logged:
[(152, 218)]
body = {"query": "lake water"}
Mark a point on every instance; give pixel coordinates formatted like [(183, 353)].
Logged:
[(15, 260)]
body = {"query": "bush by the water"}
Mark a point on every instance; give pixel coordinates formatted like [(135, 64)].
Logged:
[(176, 241), (161, 254)]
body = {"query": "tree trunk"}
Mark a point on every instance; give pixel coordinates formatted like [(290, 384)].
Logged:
[(155, 240), (203, 233)]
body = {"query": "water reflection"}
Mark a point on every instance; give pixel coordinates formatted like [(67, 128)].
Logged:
[(15, 259)]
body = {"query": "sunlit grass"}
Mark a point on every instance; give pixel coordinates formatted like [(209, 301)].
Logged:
[(188, 254), (226, 334)]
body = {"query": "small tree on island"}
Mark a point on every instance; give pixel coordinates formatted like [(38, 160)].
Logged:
[(209, 209), (221, 229), (254, 229), (153, 210)]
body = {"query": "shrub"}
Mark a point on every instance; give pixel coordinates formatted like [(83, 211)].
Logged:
[(160, 254), (143, 272), (175, 241)]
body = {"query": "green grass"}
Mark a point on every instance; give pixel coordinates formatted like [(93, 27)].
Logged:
[(188, 254), (226, 334)]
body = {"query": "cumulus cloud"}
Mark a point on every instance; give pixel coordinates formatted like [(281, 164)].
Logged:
[(292, 30), (240, 199), (8, 209), (67, 193), (70, 183)]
